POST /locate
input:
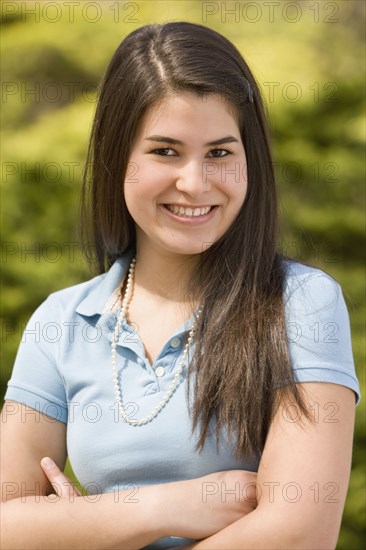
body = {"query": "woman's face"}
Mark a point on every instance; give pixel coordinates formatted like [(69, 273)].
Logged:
[(187, 178)]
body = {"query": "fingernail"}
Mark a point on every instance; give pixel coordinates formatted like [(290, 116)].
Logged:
[(47, 462)]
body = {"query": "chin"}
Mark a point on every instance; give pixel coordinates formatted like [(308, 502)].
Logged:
[(187, 250)]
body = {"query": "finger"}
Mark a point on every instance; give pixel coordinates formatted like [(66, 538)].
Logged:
[(60, 482), (62, 485)]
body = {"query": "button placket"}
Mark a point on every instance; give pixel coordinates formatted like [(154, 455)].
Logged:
[(175, 342), (160, 371), (129, 339)]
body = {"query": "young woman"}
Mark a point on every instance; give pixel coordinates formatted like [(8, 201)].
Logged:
[(184, 381)]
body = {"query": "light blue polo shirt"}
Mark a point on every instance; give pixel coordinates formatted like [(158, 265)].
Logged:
[(63, 369)]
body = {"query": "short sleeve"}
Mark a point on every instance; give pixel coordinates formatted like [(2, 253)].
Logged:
[(318, 330), (36, 380)]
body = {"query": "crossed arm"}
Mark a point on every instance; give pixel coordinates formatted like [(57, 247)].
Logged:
[(302, 479), (301, 487)]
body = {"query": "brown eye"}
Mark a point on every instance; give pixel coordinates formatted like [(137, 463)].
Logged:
[(219, 153), (162, 152)]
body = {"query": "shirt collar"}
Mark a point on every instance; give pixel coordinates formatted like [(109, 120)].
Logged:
[(95, 301)]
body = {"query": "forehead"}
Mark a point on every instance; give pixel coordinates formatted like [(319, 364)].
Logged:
[(186, 110)]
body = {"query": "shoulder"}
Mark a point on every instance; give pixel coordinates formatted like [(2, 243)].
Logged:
[(318, 327), (71, 296), (309, 288), (87, 298), (64, 302)]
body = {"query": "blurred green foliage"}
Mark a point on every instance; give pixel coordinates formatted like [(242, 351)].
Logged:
[(308, 58)]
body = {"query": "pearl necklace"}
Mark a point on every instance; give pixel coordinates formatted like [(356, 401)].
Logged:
[(173, 386)]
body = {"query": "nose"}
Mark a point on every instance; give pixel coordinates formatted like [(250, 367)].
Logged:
[(193, 178)]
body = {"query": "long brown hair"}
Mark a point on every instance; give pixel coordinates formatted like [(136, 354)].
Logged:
[(242, 352)]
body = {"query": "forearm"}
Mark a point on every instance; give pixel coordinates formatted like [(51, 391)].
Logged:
[(105, 521), (263, 530)]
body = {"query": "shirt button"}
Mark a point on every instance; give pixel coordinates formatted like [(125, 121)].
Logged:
[(175, 342), (160, 371)]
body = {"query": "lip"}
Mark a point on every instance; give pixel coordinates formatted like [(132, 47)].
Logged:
[(193, 206), (194, 220)]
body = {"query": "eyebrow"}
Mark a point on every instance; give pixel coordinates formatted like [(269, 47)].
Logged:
[(165, 139)]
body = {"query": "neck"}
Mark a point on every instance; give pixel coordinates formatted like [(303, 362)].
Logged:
[(163, 275)]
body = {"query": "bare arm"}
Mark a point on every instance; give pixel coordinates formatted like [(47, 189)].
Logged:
[(32, 519), (43, 522), (105, 521), (302, 479)]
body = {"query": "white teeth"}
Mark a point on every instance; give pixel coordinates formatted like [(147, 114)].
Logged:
[(188, 211)]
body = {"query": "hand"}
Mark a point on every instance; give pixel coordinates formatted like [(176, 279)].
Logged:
[(62, 485), (198, 508)]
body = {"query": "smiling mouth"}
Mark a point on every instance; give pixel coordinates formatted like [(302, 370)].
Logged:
[(187, 211)]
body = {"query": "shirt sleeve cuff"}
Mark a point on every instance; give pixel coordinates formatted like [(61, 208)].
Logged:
[(44, 405)]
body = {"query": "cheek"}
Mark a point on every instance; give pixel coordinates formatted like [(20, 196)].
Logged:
[(234, 186), (141, 192), (152, 183), (242, 187)]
